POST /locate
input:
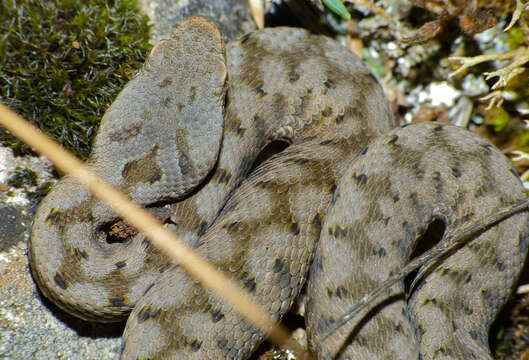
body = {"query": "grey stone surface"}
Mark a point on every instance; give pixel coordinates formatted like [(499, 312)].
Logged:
[(233, 16), (13, 226), (31, 327)]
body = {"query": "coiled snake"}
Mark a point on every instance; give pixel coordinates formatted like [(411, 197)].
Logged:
[(343, 205)]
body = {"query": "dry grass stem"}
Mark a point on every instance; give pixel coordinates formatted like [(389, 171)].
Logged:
[(518, 57), (144, 222), (494, 98), (257, 10), (522, 289), (517, 13), (467, 62)]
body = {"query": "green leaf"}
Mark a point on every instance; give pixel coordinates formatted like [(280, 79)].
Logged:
[(337, 7)]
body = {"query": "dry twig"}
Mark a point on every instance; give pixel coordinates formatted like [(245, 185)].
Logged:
[(163, 239)]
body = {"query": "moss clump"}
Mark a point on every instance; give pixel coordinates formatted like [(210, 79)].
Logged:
[(22, 176), (27, 180), (62, 62)]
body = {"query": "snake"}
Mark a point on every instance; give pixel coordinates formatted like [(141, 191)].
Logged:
[(347, 200)]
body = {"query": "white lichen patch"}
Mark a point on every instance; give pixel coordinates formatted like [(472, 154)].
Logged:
[(10, 164)]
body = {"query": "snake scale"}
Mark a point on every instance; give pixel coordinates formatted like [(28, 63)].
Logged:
[(343, 206)]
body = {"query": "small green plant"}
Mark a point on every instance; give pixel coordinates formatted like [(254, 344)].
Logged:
[(337, 7), (63, 61), (22, 177)]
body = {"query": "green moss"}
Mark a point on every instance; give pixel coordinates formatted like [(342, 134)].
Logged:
[(62, 62), (27, 180), (498, 118), (524, 139), (516, 38), (22, 177)]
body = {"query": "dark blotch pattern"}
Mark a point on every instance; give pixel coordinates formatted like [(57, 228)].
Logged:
[(148, 312), (145, 169), (60, 281), (202, 229)]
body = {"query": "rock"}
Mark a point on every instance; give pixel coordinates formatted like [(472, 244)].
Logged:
[(233, 16), (31, 327)]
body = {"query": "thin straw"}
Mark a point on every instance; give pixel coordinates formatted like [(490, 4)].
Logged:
[(166, 241)]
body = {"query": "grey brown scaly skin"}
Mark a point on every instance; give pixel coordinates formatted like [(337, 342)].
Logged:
[(398, 185), (157, 141), (368, 192)]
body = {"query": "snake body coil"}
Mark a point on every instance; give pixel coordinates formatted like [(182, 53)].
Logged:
[(343, 205)]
